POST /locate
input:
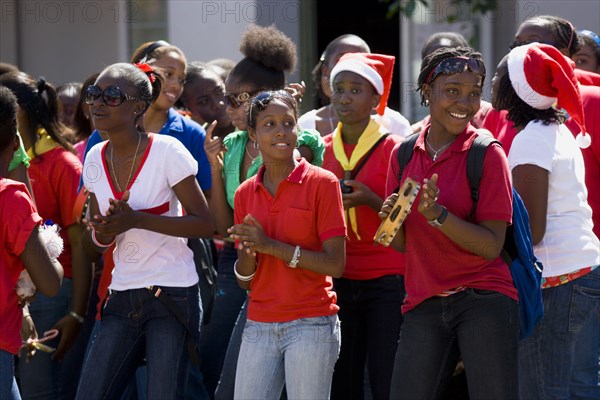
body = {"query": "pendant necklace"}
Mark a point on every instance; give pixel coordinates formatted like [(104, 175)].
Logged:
[(112, 164), (436, 152)]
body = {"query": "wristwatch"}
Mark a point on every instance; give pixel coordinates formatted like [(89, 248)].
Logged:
[(437, 222)]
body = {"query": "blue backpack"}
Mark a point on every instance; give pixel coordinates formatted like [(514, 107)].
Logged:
[(517, 252)]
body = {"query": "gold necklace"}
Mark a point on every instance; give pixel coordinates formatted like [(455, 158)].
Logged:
[(112, 164), (435, 152)]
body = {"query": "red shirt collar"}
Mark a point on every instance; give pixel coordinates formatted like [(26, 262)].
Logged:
[(296, 176)]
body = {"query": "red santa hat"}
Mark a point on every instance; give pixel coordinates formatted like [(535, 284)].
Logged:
[(375, 68), (542, 76)]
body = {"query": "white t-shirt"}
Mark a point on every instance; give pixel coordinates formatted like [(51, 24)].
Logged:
[(569, 243), (144, 258), (391, 120)]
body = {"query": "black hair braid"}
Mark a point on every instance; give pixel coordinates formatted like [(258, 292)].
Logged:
[(430, 62), (563, 31), (41, 108), (521, 113)]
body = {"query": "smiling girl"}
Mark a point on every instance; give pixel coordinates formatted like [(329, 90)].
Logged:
[(460, 299), (139, 183), (290, 228)]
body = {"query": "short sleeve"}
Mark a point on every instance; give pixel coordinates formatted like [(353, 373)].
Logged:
[(392, 182), (308, 120), (313, 140), (240, 201), (531, 146), (93, 140), (495, 189), (66, 182), (20, 156), (179, 163), (330, 210), (203, 166), (22, 219)]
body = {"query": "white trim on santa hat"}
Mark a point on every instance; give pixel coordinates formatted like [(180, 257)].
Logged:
[(516, 72), (361, 69)]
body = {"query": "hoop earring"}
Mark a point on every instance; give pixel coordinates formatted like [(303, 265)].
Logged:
[(254, 144)]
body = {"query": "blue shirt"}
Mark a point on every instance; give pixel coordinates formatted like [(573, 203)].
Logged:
[(188, 132)]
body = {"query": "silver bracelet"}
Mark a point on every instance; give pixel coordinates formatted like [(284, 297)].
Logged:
[(78, 317), (295, 258), (242, 278)]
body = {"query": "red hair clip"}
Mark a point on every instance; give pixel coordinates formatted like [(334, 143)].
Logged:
[(147, 69)]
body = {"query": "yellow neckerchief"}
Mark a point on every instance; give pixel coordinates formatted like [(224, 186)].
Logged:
[(44, 144), (368, 138)]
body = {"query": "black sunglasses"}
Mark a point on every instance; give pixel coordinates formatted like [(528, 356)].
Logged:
[(112, 95), (457, 65), (234, 100)]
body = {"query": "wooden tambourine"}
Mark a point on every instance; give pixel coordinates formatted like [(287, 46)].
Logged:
[(406, 197)]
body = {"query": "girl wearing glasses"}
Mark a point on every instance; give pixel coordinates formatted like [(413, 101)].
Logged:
[(55, 172), (269, 53), (139, 183), (560, 358), (290, 228), (461, 300)]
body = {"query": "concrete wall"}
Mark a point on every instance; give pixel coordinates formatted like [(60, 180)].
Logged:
[(205, 30), (63, 41)]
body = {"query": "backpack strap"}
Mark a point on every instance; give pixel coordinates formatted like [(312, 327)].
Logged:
[(475, 159), (405, 153), (362, 163)]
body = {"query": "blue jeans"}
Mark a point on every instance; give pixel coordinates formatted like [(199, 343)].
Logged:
[(482, 326), (226, 386), (42, 377), (215, 336), (136, 325), (548, 357), (8, 385), (300, 354), (370, 318)]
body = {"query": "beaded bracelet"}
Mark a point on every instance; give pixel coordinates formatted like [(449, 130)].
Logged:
[(97, 243), (242, 278)]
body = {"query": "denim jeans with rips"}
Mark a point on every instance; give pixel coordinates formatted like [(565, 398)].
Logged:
[(135, 325), (300, 354), (482, 326)]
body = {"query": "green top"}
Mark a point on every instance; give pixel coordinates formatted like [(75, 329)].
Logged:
[(19, 157), (235, 143)]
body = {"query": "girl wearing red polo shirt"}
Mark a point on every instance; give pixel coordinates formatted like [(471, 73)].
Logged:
[(21, 248), (54, 171), (372, 288), (460, 299), (290, 228)]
